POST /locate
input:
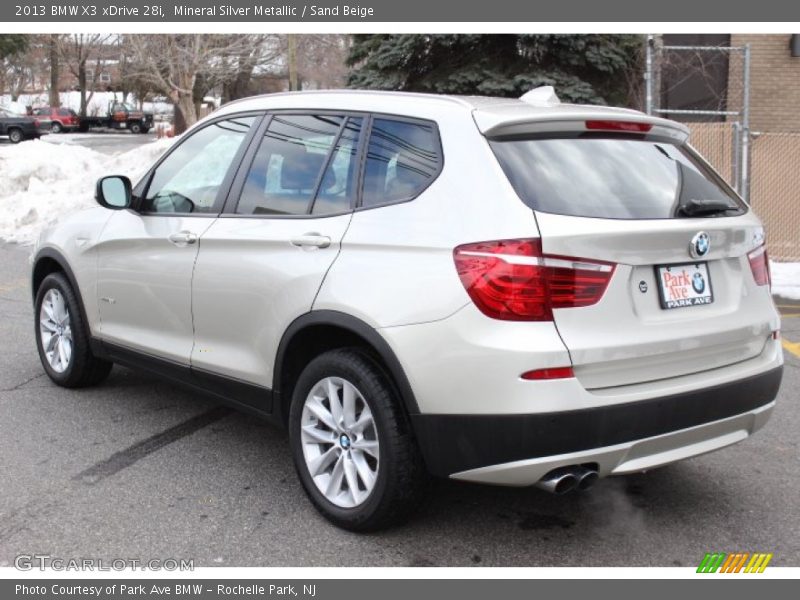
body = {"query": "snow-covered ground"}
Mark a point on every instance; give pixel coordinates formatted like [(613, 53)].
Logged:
[(41, 182), (785, 279), (97, 105)]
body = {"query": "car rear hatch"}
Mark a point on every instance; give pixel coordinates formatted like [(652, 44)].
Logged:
[(689, 287)]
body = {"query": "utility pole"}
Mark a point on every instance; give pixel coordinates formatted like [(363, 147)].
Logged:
[(292, 43), (648, 75)]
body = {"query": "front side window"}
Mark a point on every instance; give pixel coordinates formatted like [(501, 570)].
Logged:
[(403, 157), (189, 179), (304, 164)]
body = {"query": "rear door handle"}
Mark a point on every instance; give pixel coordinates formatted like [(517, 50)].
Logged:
[(183, 238), (311, 240)]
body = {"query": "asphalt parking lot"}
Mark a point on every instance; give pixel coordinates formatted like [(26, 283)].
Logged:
[(103, 141), (136, 468)]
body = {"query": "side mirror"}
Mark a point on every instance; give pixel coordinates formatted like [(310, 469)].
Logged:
[(113, 192)]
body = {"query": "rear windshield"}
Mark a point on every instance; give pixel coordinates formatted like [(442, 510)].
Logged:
[(614, 178)]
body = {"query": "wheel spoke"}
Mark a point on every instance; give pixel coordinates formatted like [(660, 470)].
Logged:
[(366, 474), (348, 404), (323, 414), (66, 345), (62, 353), (318, 465), (335, 482), (352, 479), (48, 309), (335, 403), (368, 446), (364, 420), (48, 325), (313, 434), (49, 344)]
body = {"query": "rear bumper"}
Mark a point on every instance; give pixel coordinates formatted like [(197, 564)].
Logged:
[(620, 438)]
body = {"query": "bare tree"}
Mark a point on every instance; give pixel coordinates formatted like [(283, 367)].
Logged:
[(185, 67), (321, 61), (55, 68), (80, 51), (265, 55), (17, 64)]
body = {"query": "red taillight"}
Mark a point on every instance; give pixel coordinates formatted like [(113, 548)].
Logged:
[(759, 264), (514, 281), (551, 373), (630, 126), (36, 123)]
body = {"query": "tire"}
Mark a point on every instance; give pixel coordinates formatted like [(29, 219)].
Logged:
[(136, 128), (56, 127), (72, 363), (396, 481), (15, 135)]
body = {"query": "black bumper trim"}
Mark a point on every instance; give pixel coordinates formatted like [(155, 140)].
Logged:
[(454, 443)]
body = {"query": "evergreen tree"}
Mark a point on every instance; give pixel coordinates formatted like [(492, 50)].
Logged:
[(12, 43), (583, 68)]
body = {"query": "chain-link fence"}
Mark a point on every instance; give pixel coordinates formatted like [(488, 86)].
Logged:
[(775, 181), (708, 88)]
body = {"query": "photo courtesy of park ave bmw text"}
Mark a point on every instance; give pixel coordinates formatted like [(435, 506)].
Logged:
[(376, 298)]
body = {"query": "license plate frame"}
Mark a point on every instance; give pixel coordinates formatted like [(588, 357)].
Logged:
[(687, 271)]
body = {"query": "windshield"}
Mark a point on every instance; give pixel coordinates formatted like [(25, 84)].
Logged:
[(614, 178)]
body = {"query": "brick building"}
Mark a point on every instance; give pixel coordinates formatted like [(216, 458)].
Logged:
[(774, 82), (714, 80)]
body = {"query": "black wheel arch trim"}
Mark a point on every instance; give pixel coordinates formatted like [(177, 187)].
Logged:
[(55, 255), (358, 327)]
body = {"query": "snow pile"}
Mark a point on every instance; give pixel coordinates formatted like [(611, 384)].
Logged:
[(785, 279), (40, 183), (96, 105)]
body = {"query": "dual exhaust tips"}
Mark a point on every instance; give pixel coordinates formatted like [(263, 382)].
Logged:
[(566, 479)]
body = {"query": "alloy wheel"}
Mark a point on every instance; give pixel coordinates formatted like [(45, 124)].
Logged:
[(340, 442), (55, 330)]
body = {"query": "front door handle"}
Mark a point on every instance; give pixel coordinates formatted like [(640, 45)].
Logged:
[(183, 238), (311, 240)]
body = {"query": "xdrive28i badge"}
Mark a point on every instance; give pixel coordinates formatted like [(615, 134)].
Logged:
[(700, 245)]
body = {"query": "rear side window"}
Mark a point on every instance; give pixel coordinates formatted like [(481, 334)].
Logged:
[(63, 112), (403, 158), (286, 174), (614, 178)]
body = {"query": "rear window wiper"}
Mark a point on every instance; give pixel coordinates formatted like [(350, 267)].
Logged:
[(700, 207)]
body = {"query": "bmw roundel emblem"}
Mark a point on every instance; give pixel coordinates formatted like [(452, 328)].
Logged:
[(698, 283), (700, 245)]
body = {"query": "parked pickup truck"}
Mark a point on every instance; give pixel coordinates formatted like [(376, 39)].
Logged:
[(120, 115), (22, 127)]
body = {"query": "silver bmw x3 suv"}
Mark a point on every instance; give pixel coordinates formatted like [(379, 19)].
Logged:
[(514, 292)]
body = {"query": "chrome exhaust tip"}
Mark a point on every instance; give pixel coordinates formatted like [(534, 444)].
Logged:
[(559, 481), (586, 478)]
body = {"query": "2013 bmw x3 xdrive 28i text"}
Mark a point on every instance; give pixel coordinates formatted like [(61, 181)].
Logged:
[(513, 292)]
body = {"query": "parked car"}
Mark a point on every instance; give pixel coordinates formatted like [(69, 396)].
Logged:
[(513, 292), (62, 119), (22, 127), (120, 115)]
